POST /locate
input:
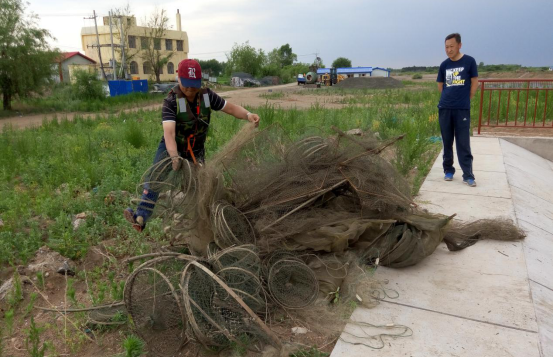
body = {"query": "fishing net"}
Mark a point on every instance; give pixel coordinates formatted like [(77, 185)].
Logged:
[(230, 226), (458, 235), (152, 297), (217, 315), (170, 193), (291, 283), (155, 308), (276, 225)]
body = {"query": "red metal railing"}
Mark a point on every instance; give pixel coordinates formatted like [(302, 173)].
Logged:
[(509, 112)]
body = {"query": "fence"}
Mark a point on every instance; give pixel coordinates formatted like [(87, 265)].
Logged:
[(512, 103)]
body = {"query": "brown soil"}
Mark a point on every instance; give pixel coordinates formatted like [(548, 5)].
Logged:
[(371, 83), (506, 75)]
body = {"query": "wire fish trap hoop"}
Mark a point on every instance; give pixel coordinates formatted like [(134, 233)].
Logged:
[(171, 191), (292, 284), (155, 307), (217, 314), (276, 256), (244, 256), (240, 267), (231, 226)]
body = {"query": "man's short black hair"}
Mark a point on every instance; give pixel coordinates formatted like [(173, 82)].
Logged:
[(454, 36)]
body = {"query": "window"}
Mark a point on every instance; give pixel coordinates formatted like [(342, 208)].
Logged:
[(157, 44), (132, 42), (170, 68), (134, 68), (169, 45), (146, 68), (161, 70), (179, 45), (143, 42), (128, 22)]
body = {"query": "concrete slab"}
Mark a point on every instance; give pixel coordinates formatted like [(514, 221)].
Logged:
[(510, 150), (538, 254), (486, 163), (455, 283), (531, 167), (483, 146), (492, 299), (542, 297), (435, 334), (489, 184), (533, 210), (538, 145), (467, 207), (540, 187)]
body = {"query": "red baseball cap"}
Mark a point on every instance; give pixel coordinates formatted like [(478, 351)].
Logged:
[(190, 73)]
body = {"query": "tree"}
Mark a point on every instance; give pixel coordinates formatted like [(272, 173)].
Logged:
[(245, 58), (26, 59), (154, 32), (286, 56), (342, 62), (213, 67)]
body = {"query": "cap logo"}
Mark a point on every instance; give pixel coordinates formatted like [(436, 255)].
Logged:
[(192, 72)]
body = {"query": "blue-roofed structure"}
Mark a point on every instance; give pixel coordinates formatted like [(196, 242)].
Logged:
[(357, 71), (346, 70)]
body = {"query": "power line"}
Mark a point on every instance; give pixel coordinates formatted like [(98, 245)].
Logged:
[(61, 15), (208, 53)]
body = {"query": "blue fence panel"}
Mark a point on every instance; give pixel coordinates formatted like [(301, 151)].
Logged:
[(120, 87), (140, 86)]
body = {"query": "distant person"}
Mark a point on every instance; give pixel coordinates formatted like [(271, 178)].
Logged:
[(185, 118), (457, 82)]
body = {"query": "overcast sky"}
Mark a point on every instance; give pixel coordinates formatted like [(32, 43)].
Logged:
[(384, 33)]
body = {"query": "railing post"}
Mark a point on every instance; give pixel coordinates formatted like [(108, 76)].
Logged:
[(481, 106)]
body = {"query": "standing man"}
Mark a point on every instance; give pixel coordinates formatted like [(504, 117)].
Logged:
[(185, 118), (457, 82)]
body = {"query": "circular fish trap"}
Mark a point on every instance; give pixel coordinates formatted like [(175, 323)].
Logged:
[(275, 256), (239, 267), (244, 256), (231, 226), (292, 284), (216, 314), (155, 307), (176, 188)]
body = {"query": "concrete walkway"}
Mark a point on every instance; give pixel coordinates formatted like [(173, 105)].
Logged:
[(491, 299)]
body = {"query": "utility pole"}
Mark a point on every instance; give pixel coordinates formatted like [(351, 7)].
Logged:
[(122, 35), (113, 53), (98, 44)]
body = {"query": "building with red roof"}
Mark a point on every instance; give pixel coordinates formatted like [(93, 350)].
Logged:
[(71, 61)]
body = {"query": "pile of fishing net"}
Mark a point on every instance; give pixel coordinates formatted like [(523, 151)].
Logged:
[(275, 225)]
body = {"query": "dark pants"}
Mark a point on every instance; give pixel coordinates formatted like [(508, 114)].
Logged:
[(150, 197), (455, 123)]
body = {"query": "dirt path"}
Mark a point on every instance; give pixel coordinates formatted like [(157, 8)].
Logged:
[(36, 120), (247, 97)]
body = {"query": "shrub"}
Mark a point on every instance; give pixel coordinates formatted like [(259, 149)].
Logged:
[(417, 76), (87, 86)]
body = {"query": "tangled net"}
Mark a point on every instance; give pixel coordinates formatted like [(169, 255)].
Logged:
[(276, 225)]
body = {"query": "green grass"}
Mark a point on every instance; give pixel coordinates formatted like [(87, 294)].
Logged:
[(62, 99), (272, 95), (49, 174), (133, 346)]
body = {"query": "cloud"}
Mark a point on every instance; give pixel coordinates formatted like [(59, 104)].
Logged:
[(387, 33)]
